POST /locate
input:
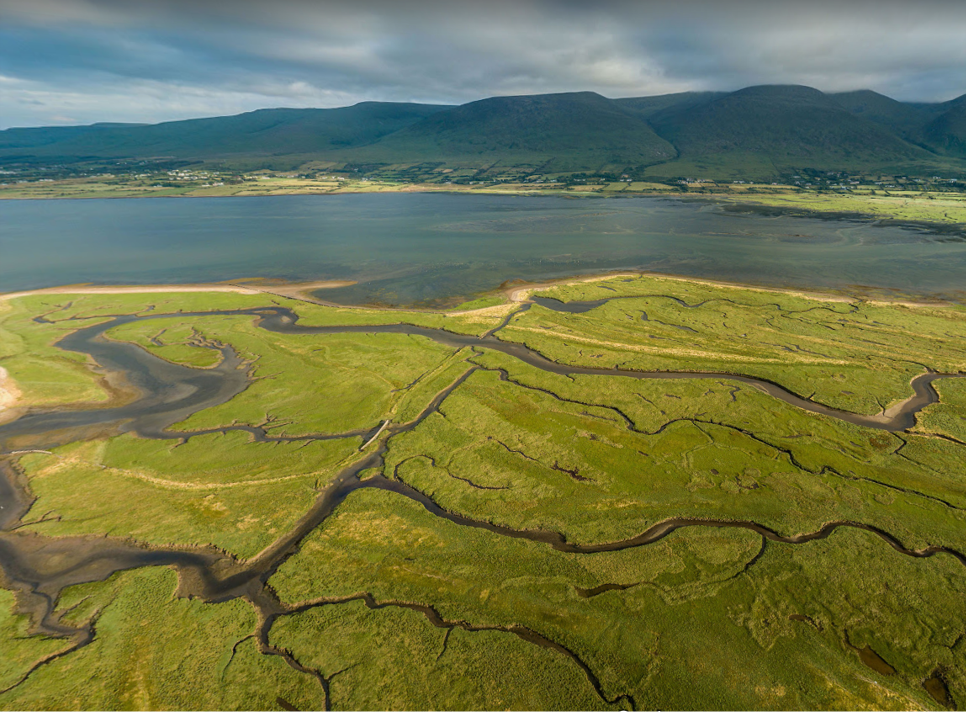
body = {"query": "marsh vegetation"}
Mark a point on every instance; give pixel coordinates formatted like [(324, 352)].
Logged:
[(486, 509)]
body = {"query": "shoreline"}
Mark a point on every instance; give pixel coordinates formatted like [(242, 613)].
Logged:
[(287, 290), (9, 395), (516, 293), (872, 208)]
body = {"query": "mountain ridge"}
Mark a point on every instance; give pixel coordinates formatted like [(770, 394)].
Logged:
[(570, 130), (758, 130)]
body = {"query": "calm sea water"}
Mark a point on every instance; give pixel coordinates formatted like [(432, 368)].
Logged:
[(411, 248)]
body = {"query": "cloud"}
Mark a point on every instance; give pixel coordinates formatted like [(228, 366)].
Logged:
[(153, 60)]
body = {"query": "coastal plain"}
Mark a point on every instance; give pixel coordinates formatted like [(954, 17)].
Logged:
[(628, 492)]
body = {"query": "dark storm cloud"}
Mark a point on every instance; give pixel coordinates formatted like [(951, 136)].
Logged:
[(94, 60)]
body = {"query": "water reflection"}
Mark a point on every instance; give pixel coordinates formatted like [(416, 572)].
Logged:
[(434, 249)]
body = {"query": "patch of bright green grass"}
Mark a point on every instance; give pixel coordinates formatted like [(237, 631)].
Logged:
[(58, 307), (21, 651), (421, 393), (929, 207), (481, 303), (305, 384), (507, 673), (540, 453), (48, 376), (948, 416), (705, 620), (219, 460), (215, 490), (155, 651), (857, 356), (44, 374), (171, 340), (316, 315)]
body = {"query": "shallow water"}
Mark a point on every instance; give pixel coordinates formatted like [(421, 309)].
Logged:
[(424, 248)]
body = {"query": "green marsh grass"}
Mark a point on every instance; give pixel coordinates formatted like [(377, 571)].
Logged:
[(707, 618), (545, 452), (948, 416), (155, 651), (853, 355), (704, 623), (218, 490)]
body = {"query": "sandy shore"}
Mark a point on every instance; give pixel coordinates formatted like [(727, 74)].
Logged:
[(139, 289), (516, 294), (300, 290), (522, 293), (9, 393), (292, 290)]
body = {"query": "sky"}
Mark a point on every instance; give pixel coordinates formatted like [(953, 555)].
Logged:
[(66, 62)]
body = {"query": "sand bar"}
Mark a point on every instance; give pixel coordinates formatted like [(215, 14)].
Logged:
[(284, 290), (9, 395), (515, 294)]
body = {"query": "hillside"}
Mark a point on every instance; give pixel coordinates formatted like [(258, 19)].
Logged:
[(905, 119), (577, 131), (647, 106), (788, 126), (267, 132), (947, 132), (757, 132)]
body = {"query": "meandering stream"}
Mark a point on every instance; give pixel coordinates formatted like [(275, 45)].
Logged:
[(39, 567)]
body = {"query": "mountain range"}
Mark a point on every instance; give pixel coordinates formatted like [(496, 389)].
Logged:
[(755, 132)]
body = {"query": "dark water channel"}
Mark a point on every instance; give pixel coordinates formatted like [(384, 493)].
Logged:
[(38, 568)]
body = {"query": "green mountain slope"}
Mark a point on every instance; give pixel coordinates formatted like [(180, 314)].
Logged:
[(264, 132), (947, 132), (757, 132), (938, 127), (37, 138), (788, 126), (647, 106), (579, 131), (906, 120)]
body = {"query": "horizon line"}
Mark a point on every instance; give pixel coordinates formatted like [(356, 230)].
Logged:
[(486, 98)]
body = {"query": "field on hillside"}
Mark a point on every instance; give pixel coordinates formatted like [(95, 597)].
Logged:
[(677, 494)]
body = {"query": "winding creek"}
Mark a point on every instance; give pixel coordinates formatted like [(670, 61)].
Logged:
[(38, 568)]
